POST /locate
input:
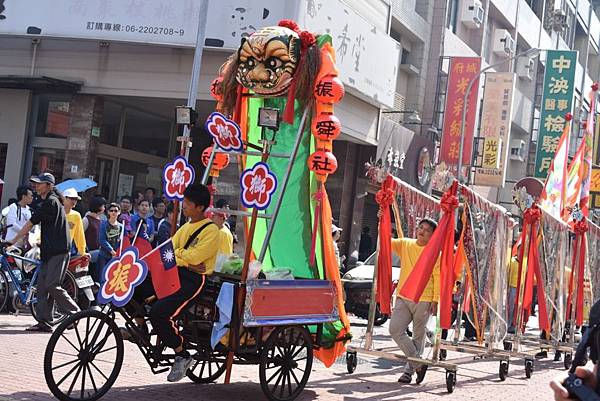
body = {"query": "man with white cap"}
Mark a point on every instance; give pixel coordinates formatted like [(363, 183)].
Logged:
[(78, 245), (336, 232), (54, 252)]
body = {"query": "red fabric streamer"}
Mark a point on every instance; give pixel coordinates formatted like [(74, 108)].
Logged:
[(441, 240), (385, 198), (532, 218), (581, 228)]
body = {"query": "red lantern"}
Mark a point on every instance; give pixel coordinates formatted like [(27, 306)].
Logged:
[(329, 89), (220, 161), (326, 127), (216, 88), (322, 163)]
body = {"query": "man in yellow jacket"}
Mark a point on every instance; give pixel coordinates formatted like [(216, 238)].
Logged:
[(406, 311)]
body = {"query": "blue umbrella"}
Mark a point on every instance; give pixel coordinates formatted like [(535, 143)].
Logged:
[(79, 184)]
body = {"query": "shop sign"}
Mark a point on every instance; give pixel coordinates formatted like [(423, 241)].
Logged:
[(359, 47), (495, 128), (462, 70), (557, 100), (595, 187), (146, 21), (124, 185)]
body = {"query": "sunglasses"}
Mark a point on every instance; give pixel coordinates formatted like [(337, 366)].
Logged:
[(113, 210)]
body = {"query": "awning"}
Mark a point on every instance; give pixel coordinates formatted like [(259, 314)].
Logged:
[(42, 83)]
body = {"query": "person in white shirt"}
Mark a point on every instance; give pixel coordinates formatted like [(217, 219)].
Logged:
[(19, 213)]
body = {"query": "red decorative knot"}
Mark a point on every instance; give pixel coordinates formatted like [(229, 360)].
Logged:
[(385, 197), (584, 125), (595, 86), (318, 196), (307, 39), (568, 117), (532, 215), (581, 227), (449, 202), (290, 24)]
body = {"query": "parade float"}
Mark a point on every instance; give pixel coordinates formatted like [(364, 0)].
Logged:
[(275, 114)]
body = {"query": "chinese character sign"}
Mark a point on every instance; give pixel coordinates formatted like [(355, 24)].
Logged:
[(258, 185), (121, 275), (495, 128), (177, 175), (225, 132), (557, 100), (462, 70)]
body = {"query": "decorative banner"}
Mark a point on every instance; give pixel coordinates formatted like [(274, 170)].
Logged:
[(258, 184), (176, 177), (557, 100), (225, 132), (462, 70), (495, 128), (121, 275)]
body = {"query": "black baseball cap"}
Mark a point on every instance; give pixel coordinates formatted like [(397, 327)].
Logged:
[(44, 178)]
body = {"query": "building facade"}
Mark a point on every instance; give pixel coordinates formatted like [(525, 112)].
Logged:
[(88, 88)]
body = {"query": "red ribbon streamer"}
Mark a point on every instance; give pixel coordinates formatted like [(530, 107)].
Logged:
[(385, 198), (532, 218), (581, 228), (441, 240)]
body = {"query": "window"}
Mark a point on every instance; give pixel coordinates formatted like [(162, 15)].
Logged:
[(111, 123), (147, 133), (53, 116), (452, 17), (49, 161)]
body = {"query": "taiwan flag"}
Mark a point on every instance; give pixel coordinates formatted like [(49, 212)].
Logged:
[(163, 269)]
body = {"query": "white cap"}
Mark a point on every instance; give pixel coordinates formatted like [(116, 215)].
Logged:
[(71, 193), (335, 229)]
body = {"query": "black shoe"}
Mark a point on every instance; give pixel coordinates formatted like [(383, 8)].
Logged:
[(541, 355), (40, 328), (406, 378), (443, 354)]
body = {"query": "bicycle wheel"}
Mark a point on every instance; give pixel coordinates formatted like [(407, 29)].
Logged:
[(70, 286), (83, 363), (4, 290)]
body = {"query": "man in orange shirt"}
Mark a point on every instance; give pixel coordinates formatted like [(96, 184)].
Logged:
[(406, 311)]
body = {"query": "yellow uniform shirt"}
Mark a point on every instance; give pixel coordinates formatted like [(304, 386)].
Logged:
[(203, 248), (409, 252), (225, 241), (76, 231)]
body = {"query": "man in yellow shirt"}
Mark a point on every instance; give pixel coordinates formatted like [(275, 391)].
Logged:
[(513, 278), (74, 221), (195, 245), (406, 311)]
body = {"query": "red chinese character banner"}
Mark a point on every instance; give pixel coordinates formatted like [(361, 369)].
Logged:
[(462, 70)]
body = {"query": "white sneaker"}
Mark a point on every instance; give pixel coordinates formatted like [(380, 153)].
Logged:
[(179, 368)]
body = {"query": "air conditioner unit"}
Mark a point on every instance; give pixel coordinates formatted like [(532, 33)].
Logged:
[(503, 42), (525, 68), (472, 15), (517, 150)]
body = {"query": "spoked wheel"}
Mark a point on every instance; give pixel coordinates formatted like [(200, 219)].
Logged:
[(70, 286), (4, 290), (285, 363), (83, 363), (503, 370), (206, 367)]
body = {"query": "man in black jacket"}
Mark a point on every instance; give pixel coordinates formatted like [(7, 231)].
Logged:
[(54, 253)]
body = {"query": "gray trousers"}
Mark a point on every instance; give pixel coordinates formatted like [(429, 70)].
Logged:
[(49, 289), (512, 300), (403, 313)]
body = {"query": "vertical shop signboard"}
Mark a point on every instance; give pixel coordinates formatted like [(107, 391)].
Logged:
[(495, 128), (461, 71), (557, 100)]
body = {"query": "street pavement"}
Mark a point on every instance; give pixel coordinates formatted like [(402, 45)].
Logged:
[(22, 378)]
